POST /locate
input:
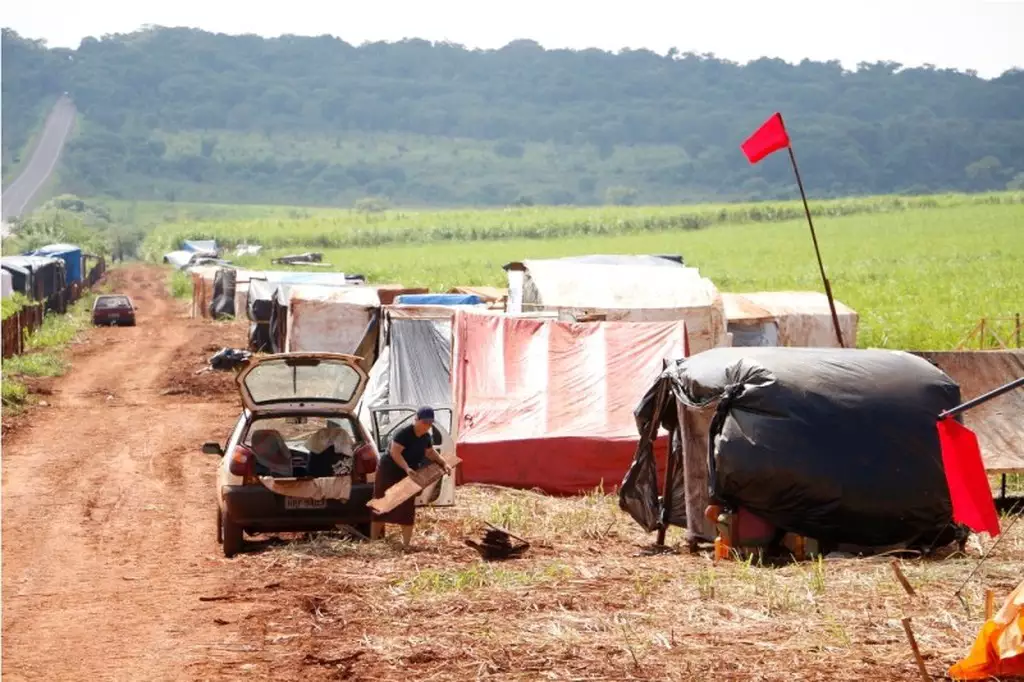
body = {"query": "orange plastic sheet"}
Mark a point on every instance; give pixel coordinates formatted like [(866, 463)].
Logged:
[(999, 649), (549, 405)]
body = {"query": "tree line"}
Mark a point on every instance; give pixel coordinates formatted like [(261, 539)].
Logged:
[(188, 114)]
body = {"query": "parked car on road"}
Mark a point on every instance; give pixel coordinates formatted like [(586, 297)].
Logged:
[(113, 309)]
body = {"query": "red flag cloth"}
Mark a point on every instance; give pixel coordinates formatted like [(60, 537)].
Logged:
[(769, 138), (969, 489)]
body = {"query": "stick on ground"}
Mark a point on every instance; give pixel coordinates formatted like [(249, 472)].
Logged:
[(917, 652), (902, 578)]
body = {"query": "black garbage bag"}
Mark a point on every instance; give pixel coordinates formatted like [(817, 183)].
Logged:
[(836, 444), (229, 358)]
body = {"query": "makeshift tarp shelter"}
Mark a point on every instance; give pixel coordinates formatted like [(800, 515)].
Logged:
[(267, 303), (38, 277), (787, 318), (70, 254), (633, 291), (548, 404), (207, 247), (179, 259), (999, 424), (413, 366), (839, 445), (333, 320)]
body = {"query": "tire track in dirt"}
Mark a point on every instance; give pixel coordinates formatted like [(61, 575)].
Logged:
[(108, 529)]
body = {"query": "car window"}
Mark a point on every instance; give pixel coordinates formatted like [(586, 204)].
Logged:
[(313, 379), (112, 302), (298, 430)]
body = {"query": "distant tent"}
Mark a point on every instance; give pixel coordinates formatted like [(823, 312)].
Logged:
[(626, 289), (70, 254), (787, 318), (205, 246)]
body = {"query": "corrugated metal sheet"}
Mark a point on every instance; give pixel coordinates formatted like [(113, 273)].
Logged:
[(328, 319), (803, 317), (999, 423)]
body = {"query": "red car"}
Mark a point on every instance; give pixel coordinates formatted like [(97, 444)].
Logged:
[(113, 309)]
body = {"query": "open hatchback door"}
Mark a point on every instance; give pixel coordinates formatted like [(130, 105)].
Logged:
[(387, 419), (296, 383)]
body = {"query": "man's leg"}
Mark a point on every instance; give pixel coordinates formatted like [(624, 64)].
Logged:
[(407, 534), (376, 530)]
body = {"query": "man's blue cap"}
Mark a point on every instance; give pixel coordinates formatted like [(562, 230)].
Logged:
[(425, 414)]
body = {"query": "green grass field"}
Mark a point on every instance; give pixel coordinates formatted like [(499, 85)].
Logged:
[(920, 271)]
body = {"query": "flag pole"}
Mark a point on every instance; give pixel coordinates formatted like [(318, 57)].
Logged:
[(817, 252)]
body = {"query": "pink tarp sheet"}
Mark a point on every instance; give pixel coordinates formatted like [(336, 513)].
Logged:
[(549, 405)]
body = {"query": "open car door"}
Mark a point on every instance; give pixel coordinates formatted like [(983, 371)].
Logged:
[(387, 419)]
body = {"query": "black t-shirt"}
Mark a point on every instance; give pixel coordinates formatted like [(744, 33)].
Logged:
[(414, 448)]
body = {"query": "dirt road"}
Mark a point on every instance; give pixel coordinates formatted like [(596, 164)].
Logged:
[(108, 507)]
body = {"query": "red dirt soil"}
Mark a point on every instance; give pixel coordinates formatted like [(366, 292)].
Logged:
[(108, 503)]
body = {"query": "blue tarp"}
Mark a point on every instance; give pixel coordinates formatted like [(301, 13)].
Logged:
[(438, 299), (200, 246), (70, 254)]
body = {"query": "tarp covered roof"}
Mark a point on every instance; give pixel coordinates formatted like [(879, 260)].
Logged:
[(670, 261), (52, 249), (609, 287), (768, 305), (803, 318), (358, 295), (23, 263), (438, 299), (200, 245), (549, 404)]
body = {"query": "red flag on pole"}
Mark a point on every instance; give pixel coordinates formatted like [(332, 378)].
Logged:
[(969, 489), (769, 138)]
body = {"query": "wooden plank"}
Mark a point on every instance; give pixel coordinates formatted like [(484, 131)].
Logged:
[(411, 486)]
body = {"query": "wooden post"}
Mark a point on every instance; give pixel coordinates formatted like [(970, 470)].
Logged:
[(917, 652), (902, 578)]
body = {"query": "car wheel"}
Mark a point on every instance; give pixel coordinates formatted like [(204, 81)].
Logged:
[(232, 536), (220, 527)]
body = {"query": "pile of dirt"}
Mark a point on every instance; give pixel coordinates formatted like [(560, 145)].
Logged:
[(181, 378)]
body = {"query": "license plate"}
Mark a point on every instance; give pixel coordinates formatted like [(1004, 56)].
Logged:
[(304, 503)]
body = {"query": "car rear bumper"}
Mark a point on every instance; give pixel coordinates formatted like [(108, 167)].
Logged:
[(257, 509), (108, 319)]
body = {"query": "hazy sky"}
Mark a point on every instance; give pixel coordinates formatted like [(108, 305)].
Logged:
[(985, 35)]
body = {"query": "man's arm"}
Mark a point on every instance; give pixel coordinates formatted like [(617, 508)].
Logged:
[(396, 454), (434, 456)]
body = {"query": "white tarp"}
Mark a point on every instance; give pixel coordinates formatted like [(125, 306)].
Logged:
[(788, 318), (624, 293), (328, 319), (8, 283)]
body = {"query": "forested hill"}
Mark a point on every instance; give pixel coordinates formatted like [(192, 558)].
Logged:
[(186, 114)]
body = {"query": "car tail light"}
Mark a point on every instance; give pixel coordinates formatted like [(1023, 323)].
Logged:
[(365, 461), (241, 464)]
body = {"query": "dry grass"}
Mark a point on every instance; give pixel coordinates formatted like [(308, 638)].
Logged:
[(587, 603)]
